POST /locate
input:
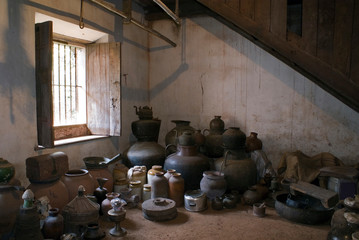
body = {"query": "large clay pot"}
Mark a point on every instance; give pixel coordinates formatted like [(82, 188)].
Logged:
[(213, 144), (233, 138), (56, 191), (98, 168), (10, 202), (213, 184), (190, 164), (146, 128), (253, 142), (7, 171), (239, 170), (200, 140), (53, 225), (144, 153), (76, 177), (171, 136)]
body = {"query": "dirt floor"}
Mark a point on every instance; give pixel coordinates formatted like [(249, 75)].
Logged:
[(238, 223)]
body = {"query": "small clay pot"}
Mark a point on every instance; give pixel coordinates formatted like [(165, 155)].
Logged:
[(253, 142), (259, 209), (229, 201), (217, 203)]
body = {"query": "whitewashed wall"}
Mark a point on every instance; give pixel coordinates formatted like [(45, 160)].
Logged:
[(18, 134), (216, 71)]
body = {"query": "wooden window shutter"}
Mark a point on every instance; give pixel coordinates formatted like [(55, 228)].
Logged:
[(103, 88), (43, 46)]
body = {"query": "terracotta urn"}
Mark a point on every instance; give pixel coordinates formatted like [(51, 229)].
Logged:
[(253, 142), (76, 177)]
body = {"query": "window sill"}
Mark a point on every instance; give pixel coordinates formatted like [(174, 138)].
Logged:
[(78, 139)]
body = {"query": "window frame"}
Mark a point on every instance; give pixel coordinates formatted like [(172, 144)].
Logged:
[(109, 76)]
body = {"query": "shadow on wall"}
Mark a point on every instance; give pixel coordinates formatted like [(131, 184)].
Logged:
[(17, 73), (326, 102), (183, 67)]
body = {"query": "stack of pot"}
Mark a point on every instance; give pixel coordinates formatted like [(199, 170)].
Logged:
[(239, 169), (146, 151)]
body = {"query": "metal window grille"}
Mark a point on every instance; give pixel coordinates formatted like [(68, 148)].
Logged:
[(68, 85)]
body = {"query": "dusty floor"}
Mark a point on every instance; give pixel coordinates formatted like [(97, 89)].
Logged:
[(238, 223)]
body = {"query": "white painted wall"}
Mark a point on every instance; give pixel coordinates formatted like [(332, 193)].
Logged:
[(216, 71), (18, 134)]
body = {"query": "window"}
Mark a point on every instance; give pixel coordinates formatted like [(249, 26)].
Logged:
[(77, 87), (68, 84)]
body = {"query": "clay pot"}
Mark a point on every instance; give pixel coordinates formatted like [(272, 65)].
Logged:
[(233, 138), (176, 189), (217, 203), (259, 209), (253, 142), (186, 139), (171, 136), (190, 164), (7, 171), (254, 194), (214, 144), (146, 130), (229, 201), (56, 191), (10, 202), (199, 138), (251, 196), (216, 125), (98, 168), (93, 232), (239, 170), (74, 178), (100, 192), (144, 154), (213, 184), (106, 204), (159, 186), (53, 225)]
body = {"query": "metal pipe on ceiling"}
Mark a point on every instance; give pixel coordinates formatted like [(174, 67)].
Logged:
[(169, 11), (107, 6)]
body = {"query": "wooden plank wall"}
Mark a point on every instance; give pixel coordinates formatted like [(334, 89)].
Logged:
[(327, 50)]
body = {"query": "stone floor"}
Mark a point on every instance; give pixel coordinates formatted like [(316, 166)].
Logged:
[(238, 223)]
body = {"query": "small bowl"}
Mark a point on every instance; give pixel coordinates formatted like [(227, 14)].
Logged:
[(259, 209)]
